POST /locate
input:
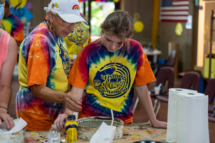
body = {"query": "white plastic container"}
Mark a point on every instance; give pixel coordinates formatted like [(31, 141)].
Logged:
[(53, 135)]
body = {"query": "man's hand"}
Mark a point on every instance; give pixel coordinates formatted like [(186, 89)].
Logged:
[(73, 103), (61, 120)]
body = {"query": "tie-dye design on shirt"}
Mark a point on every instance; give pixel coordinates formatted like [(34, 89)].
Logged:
[(13, 26), (41, 62), (110, 88), (78, 38)]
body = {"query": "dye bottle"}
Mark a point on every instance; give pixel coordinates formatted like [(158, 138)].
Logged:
[(53, 135), (71, 128)]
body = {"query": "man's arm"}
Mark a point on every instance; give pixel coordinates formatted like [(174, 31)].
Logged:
[(74, 99), (48, 94), (73, 103)]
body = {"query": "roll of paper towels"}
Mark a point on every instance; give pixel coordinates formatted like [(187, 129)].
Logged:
[(172, 112), (192, 118)]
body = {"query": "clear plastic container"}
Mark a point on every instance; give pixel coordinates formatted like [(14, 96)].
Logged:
[(53, 135)]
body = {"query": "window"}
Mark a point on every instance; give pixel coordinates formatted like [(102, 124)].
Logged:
[(99, 11)]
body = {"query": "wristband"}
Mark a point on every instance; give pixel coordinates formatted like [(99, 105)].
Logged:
[(3, 107)]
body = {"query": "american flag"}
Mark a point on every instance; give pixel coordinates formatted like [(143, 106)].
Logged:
[(174, 10)]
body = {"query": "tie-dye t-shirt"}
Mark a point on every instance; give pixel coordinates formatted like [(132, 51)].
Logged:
[(78, 39), (13, 26), (41, 62), (107, 87)]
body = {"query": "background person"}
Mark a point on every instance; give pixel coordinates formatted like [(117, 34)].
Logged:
[(12, 24), (77, 39), (8, 55)]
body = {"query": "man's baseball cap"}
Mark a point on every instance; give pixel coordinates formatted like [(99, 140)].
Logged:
[(68, 10)]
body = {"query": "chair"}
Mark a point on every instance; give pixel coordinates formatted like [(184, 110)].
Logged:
[(190, 80), (211, 118), (165, 74), (170, 62), (210, 91)]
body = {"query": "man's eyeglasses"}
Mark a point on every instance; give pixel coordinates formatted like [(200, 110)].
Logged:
[(68, 25)]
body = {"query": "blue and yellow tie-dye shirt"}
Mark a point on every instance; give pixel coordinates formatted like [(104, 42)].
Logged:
[(107, 87), (41, 62), (77, 39)]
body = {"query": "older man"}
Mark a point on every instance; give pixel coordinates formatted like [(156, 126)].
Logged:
[(44, 66)]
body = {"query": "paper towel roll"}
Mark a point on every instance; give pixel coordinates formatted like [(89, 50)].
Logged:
[(172, 112), (192, 118)]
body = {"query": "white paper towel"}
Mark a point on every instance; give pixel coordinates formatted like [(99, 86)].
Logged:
[(192, 118), (19, 125), (104, 134), (172, 112)]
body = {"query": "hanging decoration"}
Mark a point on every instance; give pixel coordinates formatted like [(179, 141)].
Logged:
[(138, 25), (22, 13), (178, 29), (200, 7), (18, 3), (29, 5), (116, 1), (19, 9)]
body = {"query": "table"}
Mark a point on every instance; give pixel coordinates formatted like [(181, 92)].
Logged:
[(152, 53), (132, 132)]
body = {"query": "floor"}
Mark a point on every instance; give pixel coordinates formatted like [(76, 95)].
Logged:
[(139, 115)]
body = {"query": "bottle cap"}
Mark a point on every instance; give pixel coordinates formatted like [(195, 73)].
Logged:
[(71, 117)]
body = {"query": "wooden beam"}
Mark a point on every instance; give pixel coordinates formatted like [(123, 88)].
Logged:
[(155, 22)]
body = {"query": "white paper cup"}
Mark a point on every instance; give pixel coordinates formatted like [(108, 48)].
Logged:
[(157, 90)]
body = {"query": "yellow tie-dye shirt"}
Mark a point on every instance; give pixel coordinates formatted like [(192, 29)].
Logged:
[(43, 60)]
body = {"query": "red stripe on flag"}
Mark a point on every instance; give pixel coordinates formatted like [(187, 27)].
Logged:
[(179, 0), (168, 20), (173, 15), (174, 10), (180, 5)]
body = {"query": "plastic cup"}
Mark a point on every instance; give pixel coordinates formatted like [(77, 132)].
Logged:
[(157, 90)]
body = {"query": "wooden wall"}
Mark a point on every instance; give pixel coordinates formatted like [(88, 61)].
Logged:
[(144, 8), (38, 11), (166, 32)]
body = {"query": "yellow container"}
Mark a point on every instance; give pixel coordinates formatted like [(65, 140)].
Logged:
[(206, 68), (71, 128)]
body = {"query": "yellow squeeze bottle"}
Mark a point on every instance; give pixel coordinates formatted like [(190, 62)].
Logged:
[(71, 128)]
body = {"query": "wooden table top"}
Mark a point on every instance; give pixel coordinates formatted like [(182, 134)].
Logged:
[(131, 133)]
